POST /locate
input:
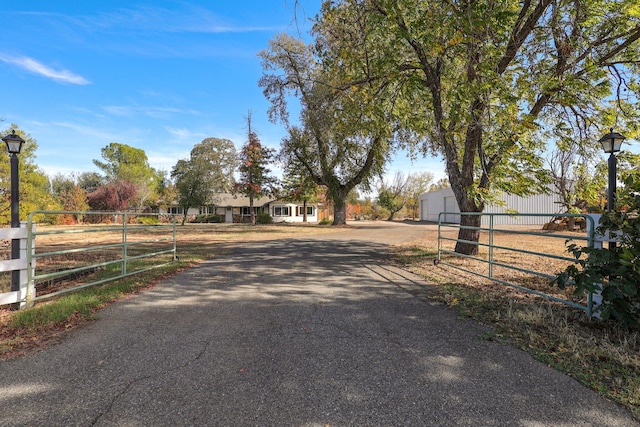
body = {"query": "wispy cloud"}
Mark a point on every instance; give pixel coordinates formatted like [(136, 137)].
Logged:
[(33, 66), (184, 134), (192, 19), (153, 112)]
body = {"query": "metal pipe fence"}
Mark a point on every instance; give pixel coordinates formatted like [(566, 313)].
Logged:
[(80, 256), (521, 254)]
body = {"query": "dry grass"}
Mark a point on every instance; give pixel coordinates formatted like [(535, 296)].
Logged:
[(601, 355)]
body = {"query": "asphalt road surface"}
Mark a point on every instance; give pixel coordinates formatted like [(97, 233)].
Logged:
[(299, 332)]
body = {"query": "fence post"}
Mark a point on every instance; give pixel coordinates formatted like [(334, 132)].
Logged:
[(490, 244), (175, 240), (23, 293), (31, 262), (124, 243)]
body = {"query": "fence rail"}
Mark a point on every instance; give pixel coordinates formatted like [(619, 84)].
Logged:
[(11, 265), (87, 255), (518, 256)]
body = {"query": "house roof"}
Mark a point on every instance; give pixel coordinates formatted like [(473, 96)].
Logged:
[(239, 200)]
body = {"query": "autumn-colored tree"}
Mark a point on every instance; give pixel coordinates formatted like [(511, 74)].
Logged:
[(70, 194), (115, 196), (255, 176)]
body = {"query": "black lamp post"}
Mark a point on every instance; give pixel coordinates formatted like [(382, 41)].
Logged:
[(14, 145), (611, 144)]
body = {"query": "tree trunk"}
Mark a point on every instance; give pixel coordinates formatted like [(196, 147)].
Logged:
[(471, 205), (304, 214), (252, 214), (467, 234), (340, 211)]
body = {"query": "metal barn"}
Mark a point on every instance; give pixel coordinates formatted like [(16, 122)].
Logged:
[(435, 202)]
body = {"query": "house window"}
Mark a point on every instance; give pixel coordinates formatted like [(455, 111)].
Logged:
[(281, 211), (175, 210), (207, 210), (300, 210), (246, 211)]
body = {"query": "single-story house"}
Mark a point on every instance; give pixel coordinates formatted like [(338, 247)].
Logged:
[(435, 202), (235, 208)]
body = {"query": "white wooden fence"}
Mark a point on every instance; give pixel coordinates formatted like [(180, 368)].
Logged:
[(20, 264)]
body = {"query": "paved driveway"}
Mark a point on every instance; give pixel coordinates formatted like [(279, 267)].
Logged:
[(313, 332)]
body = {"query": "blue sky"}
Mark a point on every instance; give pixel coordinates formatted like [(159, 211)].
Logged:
[(158, 75)]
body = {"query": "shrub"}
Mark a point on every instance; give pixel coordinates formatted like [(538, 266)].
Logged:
[(325, 221), (263, 218), (208, 218), (148, 220), (620, 266)]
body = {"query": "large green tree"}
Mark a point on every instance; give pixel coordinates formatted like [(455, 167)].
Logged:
[(125, 163), (192, 185), (345, 135), (480, 78), (208, 171), (222, 158)]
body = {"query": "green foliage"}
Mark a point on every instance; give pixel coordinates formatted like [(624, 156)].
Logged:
[(191, 183), (390, 201), (214, 218), (393, 196), (90, 181), (324, 221), (263, 218), (476, 81), (221, 157), (345, 137), (417, 184), (125, 163), (209, 170), (69, 193), (148, 220), (613, 272)]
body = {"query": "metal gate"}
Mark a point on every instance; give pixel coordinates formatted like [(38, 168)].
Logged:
[(531, 261), (89, 255)]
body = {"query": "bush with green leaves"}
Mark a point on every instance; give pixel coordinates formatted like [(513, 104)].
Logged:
[(263, 218), (148, 220), (615, 273), (213, 218)]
